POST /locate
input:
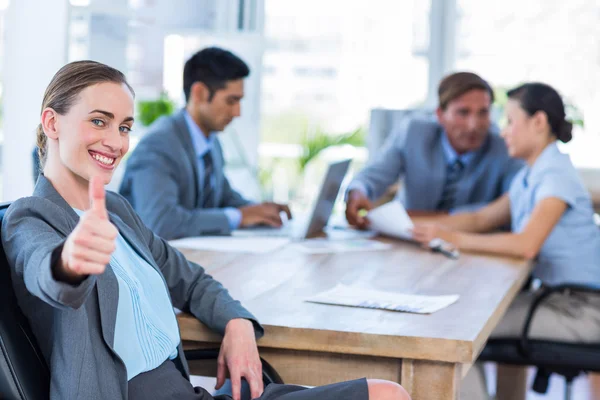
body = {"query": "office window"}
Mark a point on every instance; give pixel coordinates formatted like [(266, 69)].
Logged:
[(335, 61), (363, 54), (315, 72), (512, 42), (78, 34)]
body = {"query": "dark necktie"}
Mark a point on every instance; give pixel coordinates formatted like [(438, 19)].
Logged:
[(207, 187), (453, 175)]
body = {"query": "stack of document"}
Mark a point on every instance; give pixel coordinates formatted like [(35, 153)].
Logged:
[(228, 244), (358, 297), (316, 246)]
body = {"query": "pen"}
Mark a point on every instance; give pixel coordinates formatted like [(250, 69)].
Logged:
[(445, 248)]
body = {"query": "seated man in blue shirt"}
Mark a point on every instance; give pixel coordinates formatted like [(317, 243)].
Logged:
[(174, 178), (446, 165)]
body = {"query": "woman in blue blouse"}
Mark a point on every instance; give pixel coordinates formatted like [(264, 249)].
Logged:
[(552, 224)]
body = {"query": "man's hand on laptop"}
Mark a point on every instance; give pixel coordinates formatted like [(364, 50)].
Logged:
[(356, 206), (264, 214)]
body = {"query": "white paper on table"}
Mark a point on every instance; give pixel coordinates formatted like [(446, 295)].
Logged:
[(318, 246), (391, 219), (368, 298), (228, 244)]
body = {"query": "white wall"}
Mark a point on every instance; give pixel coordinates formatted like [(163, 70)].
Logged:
[(35, 48)]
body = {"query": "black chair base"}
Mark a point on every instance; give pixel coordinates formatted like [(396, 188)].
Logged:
[(566, 359)]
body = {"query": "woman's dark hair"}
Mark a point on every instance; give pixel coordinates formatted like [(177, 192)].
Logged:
[(534, 97), (213, 66), (66, 85)]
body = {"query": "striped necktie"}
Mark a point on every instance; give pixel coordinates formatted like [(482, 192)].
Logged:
[(207, 187), (453, 175)]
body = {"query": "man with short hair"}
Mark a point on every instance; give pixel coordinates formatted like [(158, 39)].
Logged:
[(174, 178), (454, 163)]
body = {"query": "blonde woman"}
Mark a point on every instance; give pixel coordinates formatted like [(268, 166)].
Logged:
[(98, 287)]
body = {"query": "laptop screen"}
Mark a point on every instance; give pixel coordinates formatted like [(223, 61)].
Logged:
[(330, 189)]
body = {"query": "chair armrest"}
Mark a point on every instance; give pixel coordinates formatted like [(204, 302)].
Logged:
[(201, 354), (546, 292), (268, 372)]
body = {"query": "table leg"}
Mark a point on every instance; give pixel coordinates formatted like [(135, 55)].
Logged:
[(430, 380)]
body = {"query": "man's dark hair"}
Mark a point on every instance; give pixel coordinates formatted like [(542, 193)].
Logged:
[(213, 67), (455, 85)]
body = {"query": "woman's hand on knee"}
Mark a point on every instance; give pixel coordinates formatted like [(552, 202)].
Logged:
[(386, 390)]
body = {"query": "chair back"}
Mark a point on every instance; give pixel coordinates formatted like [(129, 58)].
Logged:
[(24, 374)]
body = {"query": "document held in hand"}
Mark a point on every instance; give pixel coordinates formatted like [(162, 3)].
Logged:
[(391, 219), (368, 298)]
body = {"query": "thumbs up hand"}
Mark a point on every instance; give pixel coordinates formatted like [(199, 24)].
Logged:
[(98, 198), (89, 247)]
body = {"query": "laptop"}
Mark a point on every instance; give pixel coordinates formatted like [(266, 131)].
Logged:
[(302, 228)]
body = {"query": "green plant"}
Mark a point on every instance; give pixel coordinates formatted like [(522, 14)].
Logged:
[(150, 110), (500, 97), (574, 114), (314, 143)]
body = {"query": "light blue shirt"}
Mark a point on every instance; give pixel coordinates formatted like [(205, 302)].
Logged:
[(451, 155), (202, 145), (146, 331), (571, 254)]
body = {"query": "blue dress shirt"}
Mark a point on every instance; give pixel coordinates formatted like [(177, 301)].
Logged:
[(202, 145), (451, 155), (571, 254), (146, 331)]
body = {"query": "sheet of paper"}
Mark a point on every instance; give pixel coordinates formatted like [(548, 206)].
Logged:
[(338, 232), (316, 246), (358, 297), (391, 219), (228, 244)]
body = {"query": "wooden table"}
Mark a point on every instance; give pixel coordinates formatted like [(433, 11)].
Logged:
[(316, 344)]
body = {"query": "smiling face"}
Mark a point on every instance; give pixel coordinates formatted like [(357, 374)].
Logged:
[(93, 136)]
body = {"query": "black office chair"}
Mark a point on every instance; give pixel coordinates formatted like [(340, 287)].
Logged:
[(24, 374), (566, 359)]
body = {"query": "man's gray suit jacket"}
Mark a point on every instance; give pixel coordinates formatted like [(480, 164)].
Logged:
[(161, 183), (415, 156)]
